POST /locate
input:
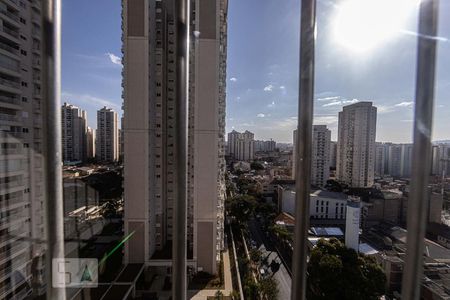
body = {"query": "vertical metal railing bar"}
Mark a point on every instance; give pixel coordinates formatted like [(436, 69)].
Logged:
[(179, 278), (53, 148), (303, 146), (423, 121)]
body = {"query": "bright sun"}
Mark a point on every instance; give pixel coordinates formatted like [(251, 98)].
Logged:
[(362, 25)]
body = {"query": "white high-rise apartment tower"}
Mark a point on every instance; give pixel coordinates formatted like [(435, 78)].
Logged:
[(356, 144), (149, 47), (22, 187), (74, 130), (107, 139), (241, 145), (320, 160)]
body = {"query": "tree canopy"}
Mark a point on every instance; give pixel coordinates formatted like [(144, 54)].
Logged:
[(338, 272)]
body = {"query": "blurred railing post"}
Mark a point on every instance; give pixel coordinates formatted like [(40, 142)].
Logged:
[(423, 120), (303, 146), (179, 280), (53, 148)]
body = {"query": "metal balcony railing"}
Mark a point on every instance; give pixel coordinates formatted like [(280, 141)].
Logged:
[(8, 48), (10, 15), (421, 153), (10, 32), (9, 83)]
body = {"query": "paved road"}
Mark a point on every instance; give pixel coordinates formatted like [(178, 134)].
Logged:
[(282, 276)]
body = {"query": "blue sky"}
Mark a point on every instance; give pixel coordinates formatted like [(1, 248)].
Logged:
[(262, 68)]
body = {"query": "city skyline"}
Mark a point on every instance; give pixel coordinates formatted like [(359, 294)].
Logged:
[(262, 64)]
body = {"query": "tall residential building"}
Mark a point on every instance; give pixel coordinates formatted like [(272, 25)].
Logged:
[(333, 153), (90, 143), (149, 47), (356, 144), (380, 159), (107, 139), (320, 162), (400, 160), (74, 138), (264, 146), (441, 160), (22, 186), (241, 146)]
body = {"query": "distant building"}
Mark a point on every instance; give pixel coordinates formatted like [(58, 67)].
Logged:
[(74, 138), (265, 146), (441, 160), (320, 160), (380, 159), (241, 145), (356, 144), (333, 153), (107, 147), (324, 205), (400, 160), (90, 142)]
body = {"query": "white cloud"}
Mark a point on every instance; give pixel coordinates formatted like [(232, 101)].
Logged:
[(325, 120), (350, 101), (238, 98), (271, 104), (332, 103), (114, 59), (383, 109), (268, 88), (233, 79), (328, 98), (405, 104), (260, 115), (340, 102), (282, 87)]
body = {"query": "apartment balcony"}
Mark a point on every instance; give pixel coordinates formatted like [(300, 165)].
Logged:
[(37, 77), (13, 18), (36, 32), (10, 33), (9, 86), (10, 151), (10, 102), (8, 134), (9, 49), (9, 118), (10, 68), (37, 123)]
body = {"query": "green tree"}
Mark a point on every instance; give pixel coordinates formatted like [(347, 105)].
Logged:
[(269, 288), (241, 207), (281, 232), (255, 255), (338, 272), (218, 295)]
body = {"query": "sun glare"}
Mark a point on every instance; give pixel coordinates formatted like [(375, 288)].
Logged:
[(362, 25)]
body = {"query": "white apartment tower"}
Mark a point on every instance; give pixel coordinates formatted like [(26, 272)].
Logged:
[(107, 139), (356, 144), (90, 142), (320, 160), (22, 187), (380, 159), (241, 145), (149, 47), (74, 130)]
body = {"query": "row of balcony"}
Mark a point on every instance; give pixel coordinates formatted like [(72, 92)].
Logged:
[(10, 83), (8, 48), (10, 32), (9, 100), (10, 15), (11, 118)]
